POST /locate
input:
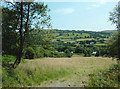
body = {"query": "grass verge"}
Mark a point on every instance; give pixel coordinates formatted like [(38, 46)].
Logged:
[(32, 73), (107, 78)]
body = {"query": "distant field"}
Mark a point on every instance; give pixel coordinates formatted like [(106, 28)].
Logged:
[(77, 55), (100, 44), (68, 40), (85, 39)]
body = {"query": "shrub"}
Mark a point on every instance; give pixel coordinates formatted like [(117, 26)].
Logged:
[(39, 52), (97, 54), (29, 53), (7, 59), (105, 78), (68, 53), (48, 53), (58, 54)]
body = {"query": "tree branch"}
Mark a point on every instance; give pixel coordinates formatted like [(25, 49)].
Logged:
[(26, 28)]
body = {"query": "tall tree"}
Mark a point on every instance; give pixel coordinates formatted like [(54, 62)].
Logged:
[(9, 35), (27, 15), (114, 44)]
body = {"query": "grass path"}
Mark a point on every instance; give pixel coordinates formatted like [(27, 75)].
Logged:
[(82, 68), (76, 80)]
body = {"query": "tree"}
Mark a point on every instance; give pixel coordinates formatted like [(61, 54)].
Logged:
[(79, 49), (114, 45), (9, 35), (40, 38), (68, 53), (97, 54), (28, 15)]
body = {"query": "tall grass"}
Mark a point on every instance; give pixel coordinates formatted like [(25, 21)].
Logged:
[(106, 78), (32, 74)]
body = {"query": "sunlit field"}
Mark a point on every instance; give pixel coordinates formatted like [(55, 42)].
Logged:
[(73, 71)]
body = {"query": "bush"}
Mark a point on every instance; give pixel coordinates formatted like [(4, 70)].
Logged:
[(48, 53), (68, 53), (105, 55), (105, 78), (7, 59), (29, 53), (39, 52), (97, 54), (58, 54)]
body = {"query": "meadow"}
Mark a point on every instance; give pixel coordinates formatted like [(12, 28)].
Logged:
[(74, 71)]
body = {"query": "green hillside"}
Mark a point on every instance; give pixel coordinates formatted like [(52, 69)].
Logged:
[(81, 42)]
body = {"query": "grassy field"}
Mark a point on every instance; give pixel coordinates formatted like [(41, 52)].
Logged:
[(82, 68), (56, 71)]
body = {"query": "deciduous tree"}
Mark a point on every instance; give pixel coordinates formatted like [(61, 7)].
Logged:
[(26, 16), (114, 43)]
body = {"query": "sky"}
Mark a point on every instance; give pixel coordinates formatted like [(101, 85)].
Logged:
[(91, 16)]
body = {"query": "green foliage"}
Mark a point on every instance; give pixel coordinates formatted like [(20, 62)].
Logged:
[(18, 23), (55, 54), (106, 78), (47, 53), (87, 53), (82, 45), (114, 45), (39, 52), (97, 54), (40, 38), (68, 53), (9, 35), (8, 60), (29, 53), (79, 49), (27, 75)]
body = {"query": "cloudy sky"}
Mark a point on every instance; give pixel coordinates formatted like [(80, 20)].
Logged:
[(82, 15)]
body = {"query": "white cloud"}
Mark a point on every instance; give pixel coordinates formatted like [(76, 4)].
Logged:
[(95, 5), (65, 10), (100, 2), (104, 1)]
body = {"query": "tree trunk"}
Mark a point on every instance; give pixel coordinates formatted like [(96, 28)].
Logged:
[(19, 55), (26, 24), (22, 36)]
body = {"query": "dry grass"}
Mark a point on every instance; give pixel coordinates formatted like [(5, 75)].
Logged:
[(34, 72), (82, 68), (102, 62), (81, 64)]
